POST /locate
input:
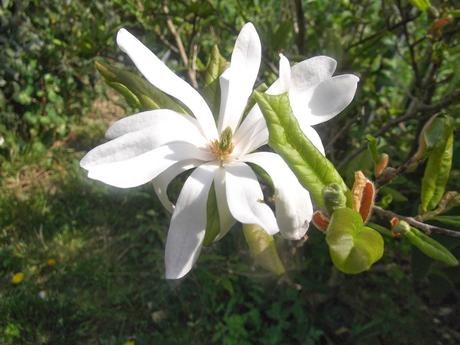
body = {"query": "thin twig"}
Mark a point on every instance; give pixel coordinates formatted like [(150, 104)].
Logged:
[(180, 46), (300, 23), (426, 228)]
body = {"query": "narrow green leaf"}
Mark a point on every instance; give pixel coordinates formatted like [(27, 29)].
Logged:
[(422, 5), (372, 147), (436, 174), (216, 66), (140, 87), (130, 97), (449, 220), (263, 248), (436, 132), (313, 170), (213, 223), (430, 247), (381, 229), (353, 247)]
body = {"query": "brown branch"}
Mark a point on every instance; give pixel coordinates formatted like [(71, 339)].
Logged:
[(379, 33), (299, 26), (180, 46), (426, 228)]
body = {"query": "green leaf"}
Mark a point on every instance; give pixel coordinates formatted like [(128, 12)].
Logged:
[(353, 247), (430, 247), (263, 248), (383, 230), (213, 223), (436, 132), (422, 5), (372, 147), (313, 170), (130, 97), (216, 66), (436, 174), (148, 95), (449, 220)]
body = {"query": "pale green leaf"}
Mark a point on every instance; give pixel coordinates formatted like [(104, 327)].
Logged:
[(353, 247), (149, 96), (263, 248), (422, 5), (436, 174), (430, 247), (313, 170), (449, 220)]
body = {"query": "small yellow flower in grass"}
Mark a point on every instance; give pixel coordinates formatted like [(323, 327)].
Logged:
[(17, 278), (129, 342), (51, 262)]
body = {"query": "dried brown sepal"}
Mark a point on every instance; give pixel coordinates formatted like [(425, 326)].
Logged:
[(367, 201), (320, 221), (381, 165), (357, 190), (394, 221)]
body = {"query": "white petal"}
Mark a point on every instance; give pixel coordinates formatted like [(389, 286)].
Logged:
[(293, 205), (331, 96), (312, 71), (156, 72), (226, 219), (164, 122), (141, 169), (311, 134), (253, 140), (248, 124), (283, 83), (162, 127), (188, 223), (162, 181), (245, 198), (239, 79)]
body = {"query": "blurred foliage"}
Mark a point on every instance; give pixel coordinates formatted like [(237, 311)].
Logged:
[(106, 286)]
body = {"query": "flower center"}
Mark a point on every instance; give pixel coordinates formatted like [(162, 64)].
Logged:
[(223, 147)]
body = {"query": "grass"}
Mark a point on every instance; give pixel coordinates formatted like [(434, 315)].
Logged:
[(106, 283)]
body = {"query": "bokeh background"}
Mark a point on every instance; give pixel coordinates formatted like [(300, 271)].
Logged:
[(90, 257)]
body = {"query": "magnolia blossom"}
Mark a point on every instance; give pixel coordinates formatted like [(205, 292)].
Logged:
[(160, 144), (314, 94)]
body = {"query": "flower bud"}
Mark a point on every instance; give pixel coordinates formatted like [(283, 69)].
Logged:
[(334, 197), (382, 164)]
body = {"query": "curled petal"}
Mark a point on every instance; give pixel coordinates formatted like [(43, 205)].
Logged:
[(293, 205), (157, 73), (143, 168), (330, 97), (237, 81), (283, 83), (245, 198), (310, 72), (188, 223), (162, 181)]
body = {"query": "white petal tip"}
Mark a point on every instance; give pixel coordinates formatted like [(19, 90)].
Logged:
[(122, 36)]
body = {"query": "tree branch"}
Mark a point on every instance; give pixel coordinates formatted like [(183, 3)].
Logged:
[(180, 46), (426, 228)]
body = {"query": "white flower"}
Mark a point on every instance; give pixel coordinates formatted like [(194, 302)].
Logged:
[(160, 144), (314, 94)]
